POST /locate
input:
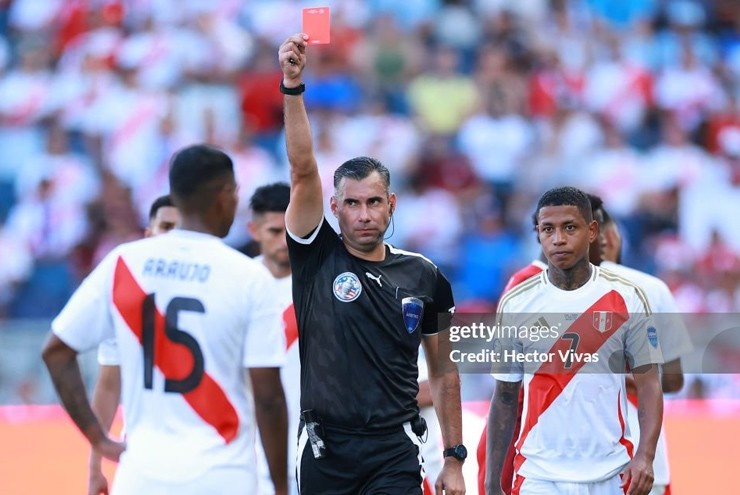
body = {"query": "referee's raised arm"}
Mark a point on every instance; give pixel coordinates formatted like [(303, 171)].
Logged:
[(306, 199)]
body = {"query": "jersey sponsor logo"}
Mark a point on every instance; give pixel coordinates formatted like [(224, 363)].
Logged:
[(602, 320), (652, 335), (413, 312), (373, 277), (347, 287)]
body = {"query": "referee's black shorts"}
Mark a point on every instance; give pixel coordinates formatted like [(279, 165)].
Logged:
[(388, 463)]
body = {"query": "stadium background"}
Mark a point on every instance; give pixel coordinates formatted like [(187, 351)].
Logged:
[(476, 106)]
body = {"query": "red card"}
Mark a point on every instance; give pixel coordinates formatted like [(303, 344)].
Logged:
[(316, 24)]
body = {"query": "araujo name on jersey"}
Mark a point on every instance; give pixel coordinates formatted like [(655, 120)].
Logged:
[(173, 269)]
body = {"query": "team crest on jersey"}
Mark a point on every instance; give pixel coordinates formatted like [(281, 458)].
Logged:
[(413, 312), (347, 287), (652, 335), (602, 320)]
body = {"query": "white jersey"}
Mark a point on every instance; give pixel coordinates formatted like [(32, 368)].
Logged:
[(108, 353), (571, 349), (674, 342), (290, 375), (674, 337), (188, 314)]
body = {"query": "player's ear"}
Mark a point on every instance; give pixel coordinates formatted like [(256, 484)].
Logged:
[(392, 203), (252, 227)]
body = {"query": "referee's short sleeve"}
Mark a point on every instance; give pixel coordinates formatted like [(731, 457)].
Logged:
[(439, 317)]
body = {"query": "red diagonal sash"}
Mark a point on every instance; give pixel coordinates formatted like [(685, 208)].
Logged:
[(208, 399), (552, 377), (290, 326)]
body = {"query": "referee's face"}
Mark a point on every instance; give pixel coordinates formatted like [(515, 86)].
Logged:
[(363, 208)]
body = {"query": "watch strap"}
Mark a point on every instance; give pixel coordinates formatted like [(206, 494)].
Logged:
[(292, 91)]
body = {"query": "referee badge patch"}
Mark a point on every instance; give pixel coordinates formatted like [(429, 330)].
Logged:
[(347, 287), (413, 312)]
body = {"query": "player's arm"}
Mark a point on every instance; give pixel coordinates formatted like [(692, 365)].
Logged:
[(501, 421), (272, 421), (672, 376), (639, 472), (61, 361), (306, 199), (444, 383), (105, 400)]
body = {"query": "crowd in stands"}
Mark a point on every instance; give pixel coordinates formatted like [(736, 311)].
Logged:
[(476, 106)]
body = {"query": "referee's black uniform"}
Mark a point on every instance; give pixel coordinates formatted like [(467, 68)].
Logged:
[(359, 340)]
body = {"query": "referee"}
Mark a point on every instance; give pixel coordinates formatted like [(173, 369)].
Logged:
[(363, 308)]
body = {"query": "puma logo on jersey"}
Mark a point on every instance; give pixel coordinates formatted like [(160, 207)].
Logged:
[(373, 277)]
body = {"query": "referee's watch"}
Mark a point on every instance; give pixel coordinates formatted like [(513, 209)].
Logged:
[(459, 452)]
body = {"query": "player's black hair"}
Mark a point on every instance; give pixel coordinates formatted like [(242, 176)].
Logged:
[(359, 168), (566, 196), (607, 218), (597, 204), (160, 202), (270, 198), (196, 174)]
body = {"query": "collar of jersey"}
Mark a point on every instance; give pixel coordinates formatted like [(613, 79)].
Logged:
[(193, 234)]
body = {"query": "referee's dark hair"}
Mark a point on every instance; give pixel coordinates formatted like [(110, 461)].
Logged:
[(359, 168), (160, 202), (566, 196), (270, 198), (197, 173)]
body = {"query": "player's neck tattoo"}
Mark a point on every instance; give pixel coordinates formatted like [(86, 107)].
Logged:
[(572, 278)]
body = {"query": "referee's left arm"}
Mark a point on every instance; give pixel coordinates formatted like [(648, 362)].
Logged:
[(444, 382)]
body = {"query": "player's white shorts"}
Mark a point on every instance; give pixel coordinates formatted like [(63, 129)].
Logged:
[(524, 486), (128, 481)]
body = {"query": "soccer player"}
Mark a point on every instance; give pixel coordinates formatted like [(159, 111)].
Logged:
[(674, 338), (163, 217), (507, 472), (363, 307), (267, 226), (573, 437), (189, 314)]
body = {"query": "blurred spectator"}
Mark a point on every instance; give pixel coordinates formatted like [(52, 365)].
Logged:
[(261, 102), (617, 89), (429, 222), (495, 128), (685, 21), (688, 90), (490, 252), (388, 58), (15, 268), (612, 172), (441, 97), (701, 219)]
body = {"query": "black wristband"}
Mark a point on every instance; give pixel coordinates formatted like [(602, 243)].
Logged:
[(292, 91)]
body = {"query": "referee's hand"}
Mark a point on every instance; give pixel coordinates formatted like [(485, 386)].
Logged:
[(450, 480)]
